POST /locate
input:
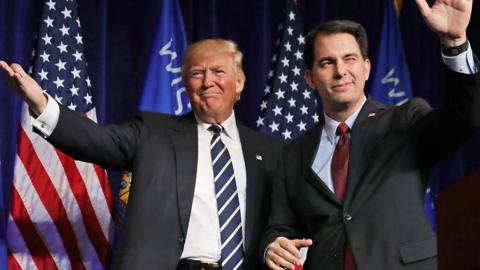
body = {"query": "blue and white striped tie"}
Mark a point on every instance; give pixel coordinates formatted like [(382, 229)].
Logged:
[(228, 205)]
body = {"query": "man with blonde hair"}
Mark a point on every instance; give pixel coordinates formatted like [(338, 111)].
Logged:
[(199, 199)]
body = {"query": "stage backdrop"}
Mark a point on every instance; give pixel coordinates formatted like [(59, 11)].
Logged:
[(118, 36)]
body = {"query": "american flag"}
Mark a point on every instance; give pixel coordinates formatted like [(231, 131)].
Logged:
[(289, 106), (61, 209)]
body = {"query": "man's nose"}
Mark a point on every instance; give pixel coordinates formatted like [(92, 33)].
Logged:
[(340, 70), (208, 79)]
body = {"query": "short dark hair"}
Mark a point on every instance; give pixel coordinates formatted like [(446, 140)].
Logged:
[(335, 27)]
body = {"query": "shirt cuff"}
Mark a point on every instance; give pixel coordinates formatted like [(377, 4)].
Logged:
[(461, 63), (48, 119), (265, 253)]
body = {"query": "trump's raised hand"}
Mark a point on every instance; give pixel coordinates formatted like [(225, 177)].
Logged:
[(25, 86)]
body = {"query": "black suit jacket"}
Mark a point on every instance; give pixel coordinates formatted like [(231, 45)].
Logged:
[(392, 150), (161, 152)]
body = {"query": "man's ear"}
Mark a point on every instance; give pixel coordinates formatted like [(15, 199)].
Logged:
[(239, 85), (308, 78), (367, 67)]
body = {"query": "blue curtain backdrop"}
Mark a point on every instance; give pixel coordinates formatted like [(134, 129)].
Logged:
[(118, 35)]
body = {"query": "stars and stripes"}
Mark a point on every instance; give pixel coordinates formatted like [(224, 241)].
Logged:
[(61, 209), (289, 106)]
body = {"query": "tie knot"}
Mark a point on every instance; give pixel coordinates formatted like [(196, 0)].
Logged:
[(216, 129), (342, 128)]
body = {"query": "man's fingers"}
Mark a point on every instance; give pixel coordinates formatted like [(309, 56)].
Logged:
[(300, 243), (423, 7), (6, 68), (19, 70), (289, 250), (283, 253), (18, 81), (9, 75), (278, 263)]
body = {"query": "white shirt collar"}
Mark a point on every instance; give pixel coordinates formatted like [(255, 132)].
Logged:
[(229, 126), (332, 124)]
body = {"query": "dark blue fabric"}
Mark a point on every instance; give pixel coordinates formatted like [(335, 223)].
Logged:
[(15, 45), (389, 80), (163, 90)]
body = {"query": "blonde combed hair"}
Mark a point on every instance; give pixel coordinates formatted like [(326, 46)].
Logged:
[(217, 45)]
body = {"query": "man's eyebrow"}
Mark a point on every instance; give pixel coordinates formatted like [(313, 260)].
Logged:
[(196, 68), (333, 58), (329, 58), (352, 54)]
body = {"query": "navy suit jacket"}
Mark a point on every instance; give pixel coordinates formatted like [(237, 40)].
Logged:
[(161, 152)]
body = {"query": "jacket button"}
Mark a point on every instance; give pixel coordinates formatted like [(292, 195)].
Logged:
[(181, 239), (347, 217), (335, 256)]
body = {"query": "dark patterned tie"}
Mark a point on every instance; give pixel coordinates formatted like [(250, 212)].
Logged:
[(227, 203), (339, 174)]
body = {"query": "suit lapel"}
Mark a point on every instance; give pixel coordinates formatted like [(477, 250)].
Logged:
[(254, 174), (185, 143), (309, 150), (361, 145)]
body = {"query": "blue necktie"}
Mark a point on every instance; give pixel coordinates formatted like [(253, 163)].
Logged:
[(227, 203)]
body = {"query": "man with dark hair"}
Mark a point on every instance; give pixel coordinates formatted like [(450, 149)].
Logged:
[(200, 181), (335, 27), (352, 188)]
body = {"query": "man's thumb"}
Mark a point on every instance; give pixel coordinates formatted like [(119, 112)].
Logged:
[(299, 243)]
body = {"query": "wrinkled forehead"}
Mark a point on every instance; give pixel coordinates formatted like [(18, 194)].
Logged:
[(208, 56), (336, 43)]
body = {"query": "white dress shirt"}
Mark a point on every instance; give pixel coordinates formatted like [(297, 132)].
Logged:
[(203, 235)]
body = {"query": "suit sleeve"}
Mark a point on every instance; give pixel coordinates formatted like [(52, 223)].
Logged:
[(441, 130), (283, 220), (109, 146)]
